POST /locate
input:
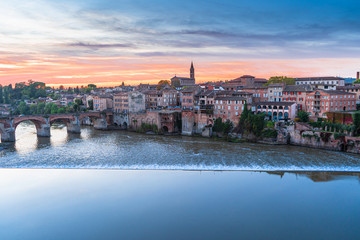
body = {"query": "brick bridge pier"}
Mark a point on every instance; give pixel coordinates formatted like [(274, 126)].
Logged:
[(44, 122)]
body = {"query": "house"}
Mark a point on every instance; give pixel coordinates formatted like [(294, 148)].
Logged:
[(121, 102), (326, 83), (276, 111), (187, 97), (103, 102), (229, 108), (297, 93), (320, 102)]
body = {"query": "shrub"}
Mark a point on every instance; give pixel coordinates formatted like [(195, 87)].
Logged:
[(269, 133), (303, 116)]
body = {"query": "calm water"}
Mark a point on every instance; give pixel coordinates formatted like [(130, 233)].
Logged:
[(150, 203)]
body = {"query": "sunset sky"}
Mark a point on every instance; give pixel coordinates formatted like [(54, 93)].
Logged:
[(110, 41)]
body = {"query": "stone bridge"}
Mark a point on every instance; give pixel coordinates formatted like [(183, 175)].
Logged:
[(44, 122)]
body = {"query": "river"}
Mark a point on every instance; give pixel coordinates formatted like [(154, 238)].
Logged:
[(123, 185)]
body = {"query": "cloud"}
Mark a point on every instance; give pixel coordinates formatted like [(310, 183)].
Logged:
[(100, 45)]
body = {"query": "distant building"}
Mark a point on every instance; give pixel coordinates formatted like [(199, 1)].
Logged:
[(103, 102), (297, 93), (187, 98), (229, 107), (352, 89), (183, 81), (121, 102), (320, 102), (276, 111), (136, 102), (275, 92), (326, 83)]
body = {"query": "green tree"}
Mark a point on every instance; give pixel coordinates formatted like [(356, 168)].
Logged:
[(54, 109), (357, 124), (91, 104), (1, 95), (61, 110), (162, 84), (40, 109), (218, 125), (303, 116), (24, 109), (281, 79), (47, 109), (33, 109)]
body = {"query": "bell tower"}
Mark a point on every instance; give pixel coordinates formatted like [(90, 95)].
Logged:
[(192, 71)]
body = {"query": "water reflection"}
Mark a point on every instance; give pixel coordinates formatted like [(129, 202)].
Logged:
[(321, 176), (27, 140)]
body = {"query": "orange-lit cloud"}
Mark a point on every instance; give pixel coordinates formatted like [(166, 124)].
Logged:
[(112, 71)]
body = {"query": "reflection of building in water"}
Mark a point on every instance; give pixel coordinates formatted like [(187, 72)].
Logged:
[(320, 176)]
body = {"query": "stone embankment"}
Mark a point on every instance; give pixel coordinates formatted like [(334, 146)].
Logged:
[(301, 134)]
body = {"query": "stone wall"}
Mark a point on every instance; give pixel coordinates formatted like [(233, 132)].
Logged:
[(121, 119), (136, 102), (303, 135)]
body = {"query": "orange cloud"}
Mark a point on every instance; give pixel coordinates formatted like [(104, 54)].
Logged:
[(112, 71)]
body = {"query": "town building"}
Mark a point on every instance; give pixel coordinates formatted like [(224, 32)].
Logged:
[(320, 102), (121, 102), (259, 93), (187, 98), (169, 97), (275, 92), (326, 83), (102, 102), (276, 111), (229, 107), (352, 89), (152, 99), (297, 93), (184, 81), (136, 102)]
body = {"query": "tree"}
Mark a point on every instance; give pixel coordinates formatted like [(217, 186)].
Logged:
[(218, 125), (40, 108), (91, 104), (162, 84), (303, 116), (357, 124), (33, 109), (281, 79), (48, 107), (91, 86), (24, 109), (1, 95), (54, 109)]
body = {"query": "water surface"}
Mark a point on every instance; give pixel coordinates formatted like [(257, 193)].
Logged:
[(127, 150)]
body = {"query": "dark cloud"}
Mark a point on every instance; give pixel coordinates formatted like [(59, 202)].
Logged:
[(100, 45)]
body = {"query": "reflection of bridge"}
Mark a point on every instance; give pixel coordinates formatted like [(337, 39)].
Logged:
[(44, 122)]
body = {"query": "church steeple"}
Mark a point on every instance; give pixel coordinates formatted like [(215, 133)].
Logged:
[(192, 71)]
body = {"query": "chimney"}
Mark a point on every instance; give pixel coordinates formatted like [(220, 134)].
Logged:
[(357, 75)]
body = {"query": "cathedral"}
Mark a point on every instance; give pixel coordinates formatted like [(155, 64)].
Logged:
[(183, 81)]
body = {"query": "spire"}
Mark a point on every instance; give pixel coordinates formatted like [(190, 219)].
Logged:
[(192, 71)]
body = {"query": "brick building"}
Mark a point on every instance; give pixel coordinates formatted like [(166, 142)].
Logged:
[(297, 93), (229, 108), (121, 102), (320, 102), (276, 111)]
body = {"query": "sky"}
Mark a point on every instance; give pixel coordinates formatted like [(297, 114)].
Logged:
[(108, 42)]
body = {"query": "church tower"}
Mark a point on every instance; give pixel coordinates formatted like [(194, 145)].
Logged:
[(192, 71)]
